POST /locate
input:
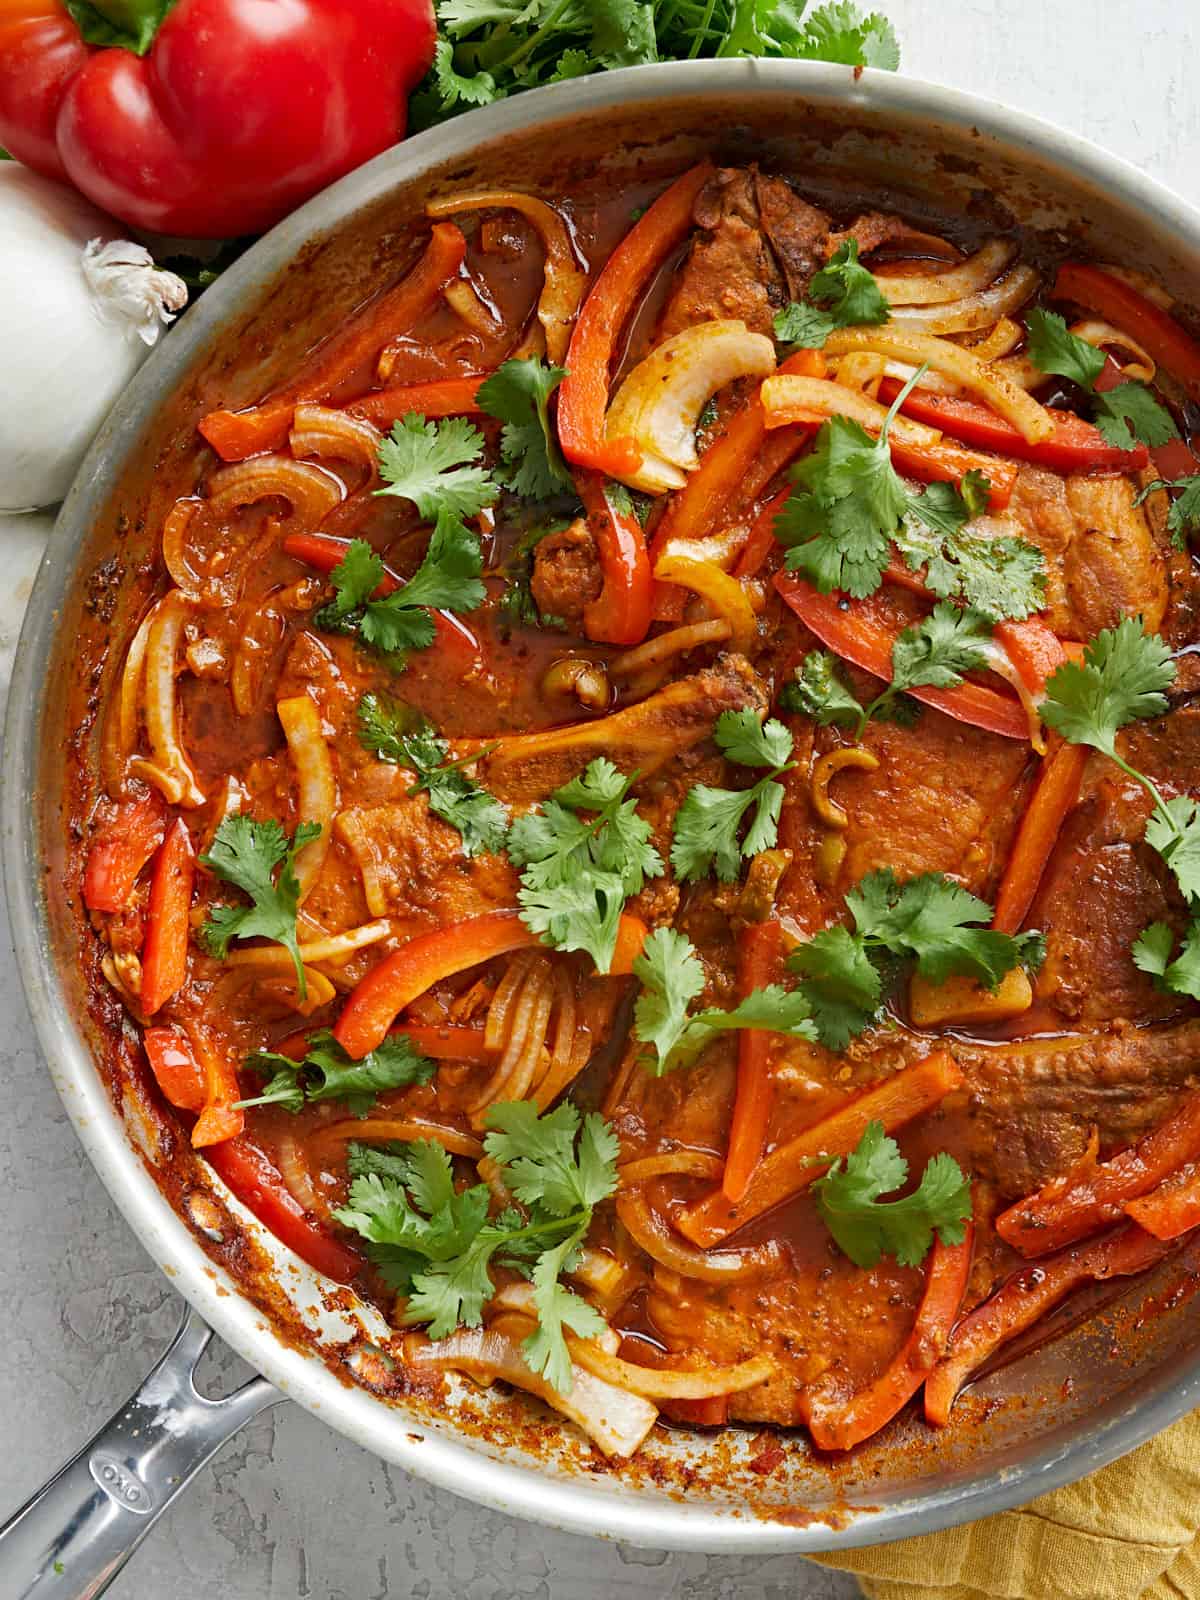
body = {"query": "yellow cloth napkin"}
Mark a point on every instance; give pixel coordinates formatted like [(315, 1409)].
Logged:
[(1130, 1532)]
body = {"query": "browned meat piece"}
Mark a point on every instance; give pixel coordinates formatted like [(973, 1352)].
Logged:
[(1033, 1104), (871, 230), (643, 737), (566, 572), (747, 221), (1102, 561), (412, 862), (1103, 885), (797, 231)]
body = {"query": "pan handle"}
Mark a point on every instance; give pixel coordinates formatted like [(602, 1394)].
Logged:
[(72, 1538)]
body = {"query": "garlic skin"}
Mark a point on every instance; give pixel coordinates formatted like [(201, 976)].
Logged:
[(79, 310)]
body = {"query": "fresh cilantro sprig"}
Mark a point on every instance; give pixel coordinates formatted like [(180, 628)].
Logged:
[(435, 465), (518, 394), (843, 294), (489, 49), (258, 858), (1127, 412), (582, 855), (447, 579), (326, 1072), (1123, 678), (933, 653), (708, 823), (867, 1226), (436, 1245), (929, 920), (391, 732), (850, 507), (672, 977), (1184, 516)]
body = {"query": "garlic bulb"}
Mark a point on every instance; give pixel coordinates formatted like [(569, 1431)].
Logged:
[(79, 310)]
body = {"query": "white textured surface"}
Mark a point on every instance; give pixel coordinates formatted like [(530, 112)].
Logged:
[(289, 1511)]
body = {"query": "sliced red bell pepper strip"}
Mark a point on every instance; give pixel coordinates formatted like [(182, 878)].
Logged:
[(1037, 653), (793, 1166), (258, 1184), (839, 1424), (868, 642), (583, 394), (1025, 1297), (165, 951), (378, 999), (210, 1089), (762, 537), (325, 551), (234, 435), (1171, 1209), (1070, 1207), (120, 850), (710, 1413), (738, 464), (621, 612), (1174, 459), (1120, 303), (442, 1041), (444, 397), (1074, 446), (759, 951)]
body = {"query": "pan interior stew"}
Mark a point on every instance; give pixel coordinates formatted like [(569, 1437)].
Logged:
[(648, 822)]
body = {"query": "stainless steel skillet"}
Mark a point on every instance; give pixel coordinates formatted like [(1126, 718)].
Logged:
[(911, 145)]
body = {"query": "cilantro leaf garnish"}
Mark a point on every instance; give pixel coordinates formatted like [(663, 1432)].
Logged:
[(708, 823), (247, 854), (432, 464), (326, 1072), (930, 920), (583, 854), (517, 394), (1123, 414), (447, 579), (1184, 515), (391, 732), (850, 505), (934, 652), (842, 295), (866, 1226), (816, 690), (672, 978), (435, 1245), (1153, 952)]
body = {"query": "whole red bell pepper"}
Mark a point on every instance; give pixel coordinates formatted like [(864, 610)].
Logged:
[(207, 118)]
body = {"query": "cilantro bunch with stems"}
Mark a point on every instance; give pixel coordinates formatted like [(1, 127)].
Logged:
[(1123, 678), (851, 508), (1124, 414), (490, 49), (847, 973), (260, 859), (436, 1244)]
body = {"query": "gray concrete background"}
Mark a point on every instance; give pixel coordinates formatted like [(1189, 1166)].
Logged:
[(289, 1511)]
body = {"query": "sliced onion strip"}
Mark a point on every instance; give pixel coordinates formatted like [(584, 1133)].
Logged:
[(654, 1234), (1106, 337), (311, 492), (667, 1163), (817, 398), (383, 1130), (498, 1021), (975, 311), (613, 1418), (323, 431), (170, 771), (939, 288), (1001, 340), (363, 847), (336, 947), (317, 798), (564, 283), (258, 637), (670, 1383), (526, 1039), (1003, 666), (1030, 419), (665, 645)]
